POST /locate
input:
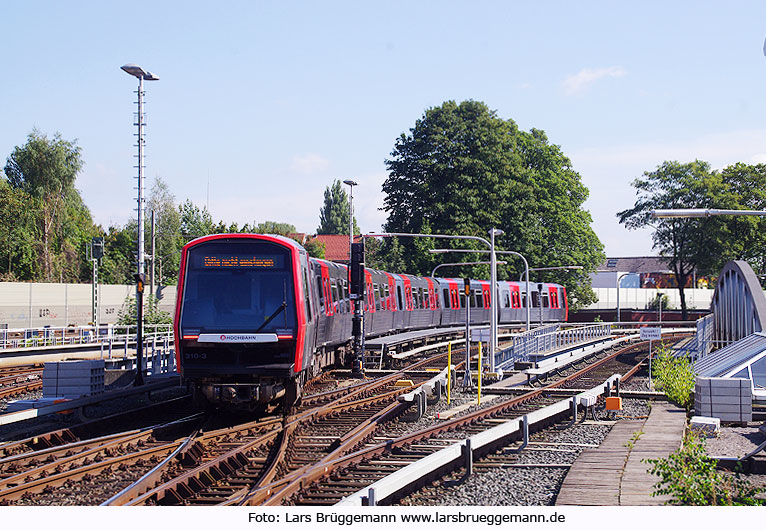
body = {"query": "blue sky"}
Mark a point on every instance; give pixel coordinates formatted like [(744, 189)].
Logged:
[(271, 101)]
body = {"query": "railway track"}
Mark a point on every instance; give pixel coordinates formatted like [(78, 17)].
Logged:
[(368, 465), (20, 380), (344, 430)]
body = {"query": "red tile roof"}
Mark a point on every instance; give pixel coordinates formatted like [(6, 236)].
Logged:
[(336, 246)]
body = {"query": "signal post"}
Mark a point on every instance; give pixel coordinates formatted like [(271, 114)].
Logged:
[(356, 294)]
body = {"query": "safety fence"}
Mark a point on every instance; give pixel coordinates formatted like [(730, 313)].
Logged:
[(108, 335), (702, 342), (545, 339)]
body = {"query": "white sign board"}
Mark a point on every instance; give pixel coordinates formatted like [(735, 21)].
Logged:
[(650, 333), (480, 335)]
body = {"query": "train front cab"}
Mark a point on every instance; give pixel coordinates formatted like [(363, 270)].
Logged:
[(244, 322)]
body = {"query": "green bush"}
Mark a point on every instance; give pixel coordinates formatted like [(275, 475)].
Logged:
[(690, 477), (152, 312), (674, 376)]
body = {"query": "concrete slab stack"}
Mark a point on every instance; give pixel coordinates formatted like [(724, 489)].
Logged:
[(73, 379), (728, 399)]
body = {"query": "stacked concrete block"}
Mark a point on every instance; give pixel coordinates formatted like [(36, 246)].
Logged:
[(73, 379), (728, 399)]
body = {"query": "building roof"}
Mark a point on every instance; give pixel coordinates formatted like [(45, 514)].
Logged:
[(723, 361), (336, 246), (638, 264), (300, 237)]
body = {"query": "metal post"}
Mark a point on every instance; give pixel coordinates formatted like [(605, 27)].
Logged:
[(492, 301), (152, 292), (449, 371), (139, 330), (94, 294), (467, 373), (478, 400)]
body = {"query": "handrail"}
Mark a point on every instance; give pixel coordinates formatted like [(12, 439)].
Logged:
[(78, 335), (548, 338)]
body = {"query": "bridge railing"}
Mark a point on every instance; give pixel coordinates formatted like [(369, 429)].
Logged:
[(547, 338), (80, 335), (703, 340)]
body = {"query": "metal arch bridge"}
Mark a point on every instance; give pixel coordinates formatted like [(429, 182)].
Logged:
[(739, 304)]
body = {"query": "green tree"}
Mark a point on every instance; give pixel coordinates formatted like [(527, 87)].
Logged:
[(463, 170), (119, 261), (273, 227), (334, 214), (703, 244), (167, 228), (748, 184), (195, 221), (17, 255), (46, 170)]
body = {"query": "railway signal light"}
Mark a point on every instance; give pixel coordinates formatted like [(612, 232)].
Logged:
[(140, 281), (97, 248), (357, 269), (467, 283)]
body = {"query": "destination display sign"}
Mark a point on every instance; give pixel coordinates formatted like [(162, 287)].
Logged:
[(234, 261)]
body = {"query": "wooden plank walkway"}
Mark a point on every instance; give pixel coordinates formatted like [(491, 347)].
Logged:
[(613, 474)]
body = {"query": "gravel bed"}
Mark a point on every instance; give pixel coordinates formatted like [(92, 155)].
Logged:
[(533, 486)]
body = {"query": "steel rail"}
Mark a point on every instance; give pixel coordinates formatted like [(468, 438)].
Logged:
[(278, 495)]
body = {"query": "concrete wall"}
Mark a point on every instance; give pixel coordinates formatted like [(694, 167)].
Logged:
[(640, 298), (31, 305)]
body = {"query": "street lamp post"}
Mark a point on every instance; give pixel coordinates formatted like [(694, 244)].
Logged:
[(457, 264), (561, 268), (141, 75), (701, 212), (493, 313), (620, 277), (514, 253), (492, 296), (351, 185)]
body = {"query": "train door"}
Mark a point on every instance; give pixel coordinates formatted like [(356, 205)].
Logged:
[(516, 313), (485, 302), (369, 303), (433, 300), (553, 298), (407, 312), (325, 310), (310, 330)]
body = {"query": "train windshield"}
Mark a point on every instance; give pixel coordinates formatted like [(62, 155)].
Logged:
[(238, 287)]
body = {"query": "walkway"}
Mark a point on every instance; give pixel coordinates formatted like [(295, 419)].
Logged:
[(614, 474)]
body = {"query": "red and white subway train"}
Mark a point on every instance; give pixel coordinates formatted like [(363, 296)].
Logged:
[(256, 317)]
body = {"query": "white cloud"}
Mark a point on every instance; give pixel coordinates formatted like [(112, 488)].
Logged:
[(587, 76), (309, 163)]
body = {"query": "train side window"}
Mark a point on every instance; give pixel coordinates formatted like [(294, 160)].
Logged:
[(378, 296), (320, 290), (545, 300), (334, 296), (399, 295), (506, 299), (535, 299), (307, 295), (524, 299), (387, 297), (445, 293)]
